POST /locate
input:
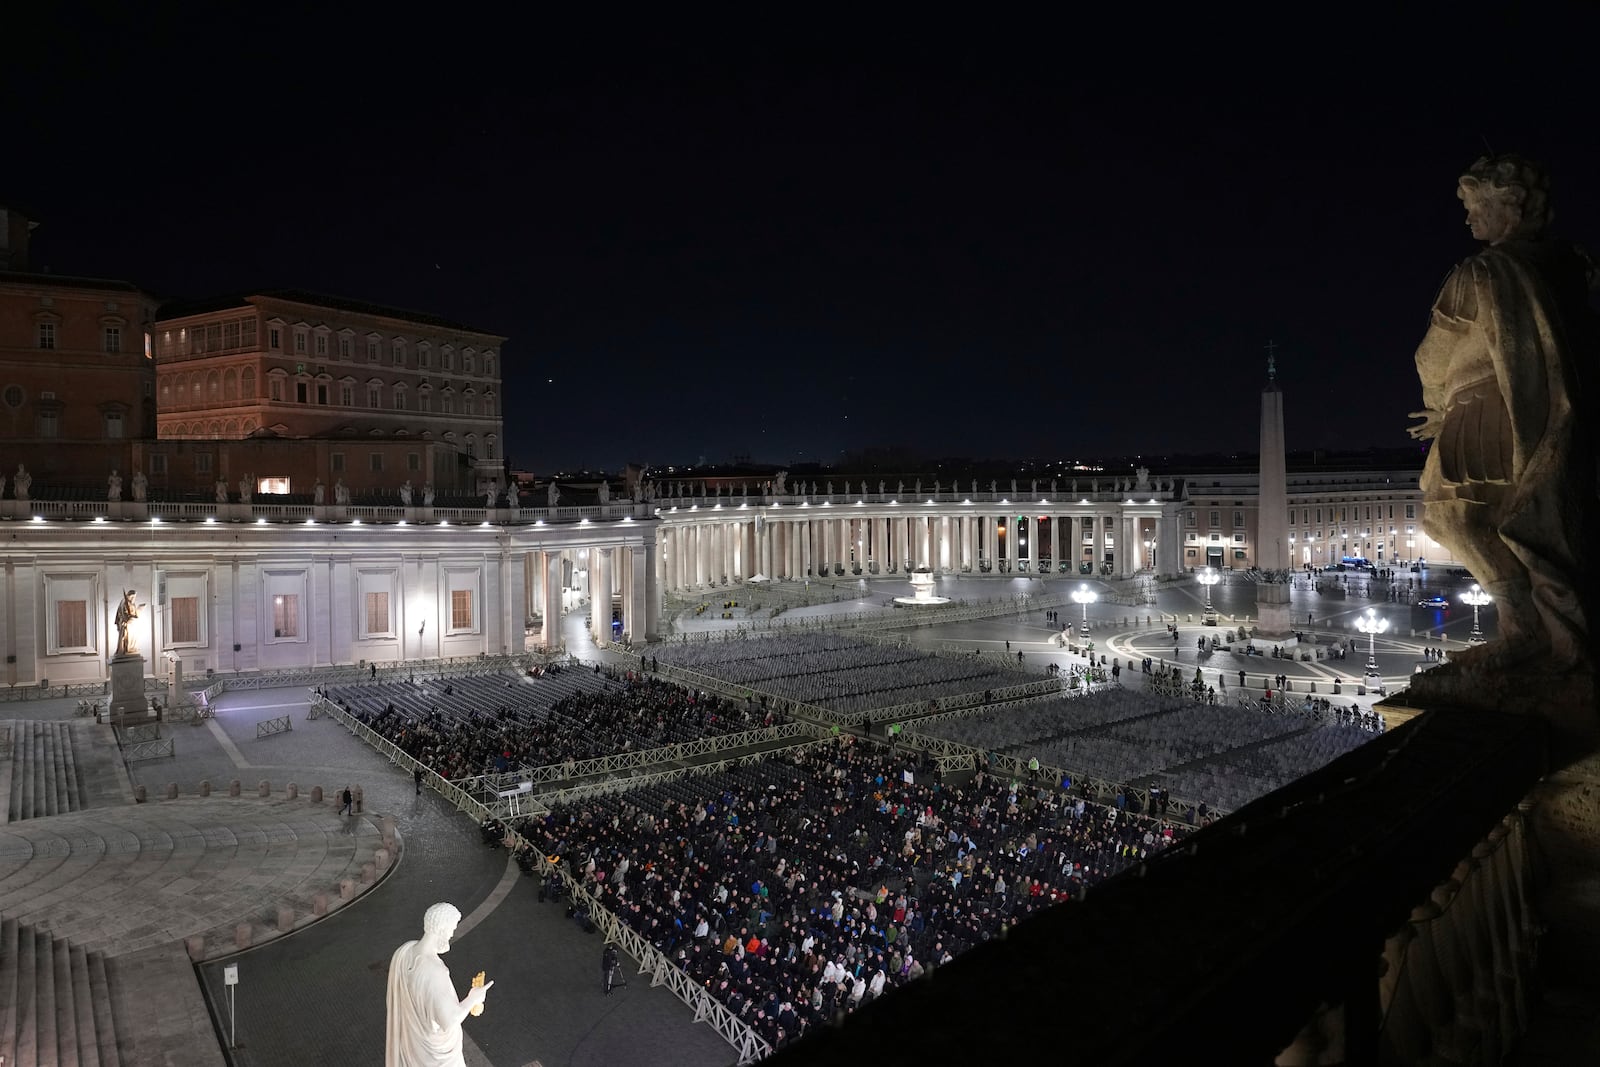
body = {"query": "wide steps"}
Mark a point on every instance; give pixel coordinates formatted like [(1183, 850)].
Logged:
[(57, 767), (55, 1003)]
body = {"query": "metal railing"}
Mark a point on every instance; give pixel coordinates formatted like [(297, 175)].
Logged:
[(613, 786), (281, 725), (144, 750), (132, 735)]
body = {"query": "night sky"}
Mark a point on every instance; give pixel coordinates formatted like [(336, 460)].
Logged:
[(795, 241)]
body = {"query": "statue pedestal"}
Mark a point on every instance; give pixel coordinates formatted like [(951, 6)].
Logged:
[(128, 703), (1272, 610)]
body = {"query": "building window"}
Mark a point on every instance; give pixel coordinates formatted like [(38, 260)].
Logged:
[(399, 349), (275, 389), (158, 464), (72, 624), (202, 462), (449, 363), (301, 392), (372, 350), (300, 342), (13, 396), (347, 395), (377, 613), (322, 344), (374, 397), (488, 366), (424, 357), (322, 393), (1189, 518), (1291, 516), (274, 339), (1216, 519), (466, 363), (113, 338), (1411, 511), (337, 462), (344, 348), (47, 335), (247, 383), (185, 615), (114, 425), (488, 451), (413, 462), (286, 615), (49, 424), (1238, 539), (1238, 520), (375, 461), (400, 398), (460, 609)]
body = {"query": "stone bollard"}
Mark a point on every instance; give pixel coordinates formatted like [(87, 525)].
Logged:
[(138, 794), (369, 873), (347, 888), (196, 946), (264, 788), (172, 790), (292, 792), (356, 793), (390, 832), (316, 794), (319, 904), (205, 788), (233, 788), (285, 919), (380, 859), (241, 935)]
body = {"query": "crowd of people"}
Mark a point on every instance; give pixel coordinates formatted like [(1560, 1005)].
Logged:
[(497, 725), (803, 886)]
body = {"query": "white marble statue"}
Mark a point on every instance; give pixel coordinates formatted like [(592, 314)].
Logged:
[(638, 492), (1144, 477), (1013, 487), (114, 486), (1033, 488), (141, 485), (2, 485), (1053, 486), (605, 492), (22, 483), (341, 492), (318, 492), (552, 493), (405, 493), (777, 481), (127, 611), (514, 493), (919, 487), (424, 1016), (222, 491), (992, 484), (244, 490), (1074, 487), (427, 494), (489, 495)]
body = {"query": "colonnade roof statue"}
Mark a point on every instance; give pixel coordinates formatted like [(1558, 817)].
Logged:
[(1510, 482), (424, 1024)]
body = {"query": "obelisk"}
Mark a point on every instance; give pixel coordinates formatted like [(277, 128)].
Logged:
[(1272, 515)]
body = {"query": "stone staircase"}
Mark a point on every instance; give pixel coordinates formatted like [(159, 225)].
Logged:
[(55, 767), (55, 1002)]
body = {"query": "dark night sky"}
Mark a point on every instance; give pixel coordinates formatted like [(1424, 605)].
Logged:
[(1012, 241)]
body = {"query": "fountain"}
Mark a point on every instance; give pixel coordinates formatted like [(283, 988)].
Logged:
[(921, 591)]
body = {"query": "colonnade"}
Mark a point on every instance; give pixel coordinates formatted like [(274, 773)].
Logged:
[(616, 580), (707, 548)]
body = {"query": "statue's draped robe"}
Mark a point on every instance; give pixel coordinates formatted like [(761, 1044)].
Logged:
[(423, 1030), (1519, 306)]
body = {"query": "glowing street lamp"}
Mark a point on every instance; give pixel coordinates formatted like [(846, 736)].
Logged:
[(1208, 578), (1477, 598), (1372, 626), (1085, 596)]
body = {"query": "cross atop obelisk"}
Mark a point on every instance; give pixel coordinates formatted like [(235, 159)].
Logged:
[(1272, 361)]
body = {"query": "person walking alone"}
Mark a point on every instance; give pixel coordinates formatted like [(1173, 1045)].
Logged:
[(417, 775), (610, 970), (347, 801)]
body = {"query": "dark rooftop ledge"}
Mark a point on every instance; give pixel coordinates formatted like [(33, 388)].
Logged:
[(1221, 950)]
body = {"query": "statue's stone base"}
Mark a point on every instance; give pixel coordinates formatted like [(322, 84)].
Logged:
[(128, 703), (1274, 620)]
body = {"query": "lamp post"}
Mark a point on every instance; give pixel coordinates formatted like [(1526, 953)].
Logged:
[(1208, 578), (1477, 598), (1372, 626), (1085, 596)]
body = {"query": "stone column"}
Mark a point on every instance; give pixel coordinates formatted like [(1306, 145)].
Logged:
[(635, 592), (600, 593), (552, 600), (1011, 542), (652, 591)]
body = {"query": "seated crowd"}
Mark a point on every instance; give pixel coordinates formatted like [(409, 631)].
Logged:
[(496, 725), (800, 887)]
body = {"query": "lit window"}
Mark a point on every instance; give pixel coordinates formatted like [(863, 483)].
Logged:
[(377, 613), (72, 624), (460, 609), (49, 424), (113, 338), (114, 425)]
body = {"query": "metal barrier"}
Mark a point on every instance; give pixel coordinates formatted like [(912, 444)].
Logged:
[(132, 735), (144, 750), (281, 725)]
